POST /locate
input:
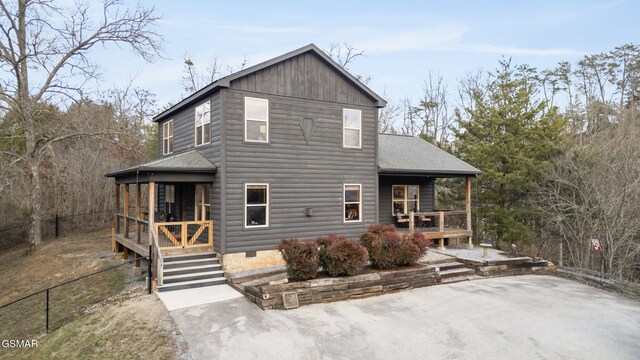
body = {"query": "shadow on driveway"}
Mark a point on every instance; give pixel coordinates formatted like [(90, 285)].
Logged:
[(520, 317)]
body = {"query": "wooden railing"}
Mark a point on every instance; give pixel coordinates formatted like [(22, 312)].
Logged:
[(185, 234), (157, 258), (123, 226), (441, 220)]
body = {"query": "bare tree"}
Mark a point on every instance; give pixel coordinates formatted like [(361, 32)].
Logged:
[(344, 54), (195, 78), (41, 40)]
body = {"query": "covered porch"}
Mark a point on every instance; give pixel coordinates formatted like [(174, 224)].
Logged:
[(162, 208)]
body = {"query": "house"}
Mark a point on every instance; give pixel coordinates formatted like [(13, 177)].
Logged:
[(286, 148)]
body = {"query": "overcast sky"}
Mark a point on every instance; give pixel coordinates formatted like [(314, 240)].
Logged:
[(402, 40)]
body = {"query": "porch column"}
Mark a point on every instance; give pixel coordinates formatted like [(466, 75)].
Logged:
[(138, 211), (126, 211), (468, 210), (152, 201), (441, 230)]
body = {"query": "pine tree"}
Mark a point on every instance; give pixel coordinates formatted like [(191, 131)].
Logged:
[(511, 135)]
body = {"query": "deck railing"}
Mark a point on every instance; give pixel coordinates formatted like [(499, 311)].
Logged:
[(439, 221), (184, 234), (158, 259)]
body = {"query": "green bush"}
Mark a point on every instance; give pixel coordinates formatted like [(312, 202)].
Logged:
[(340, 256), (390, 249), (301, 259)]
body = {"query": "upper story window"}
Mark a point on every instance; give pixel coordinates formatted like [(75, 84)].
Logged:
[(203, 123), (405, 199), (256, 119), (167, 137), (352, 128), (352, 202)]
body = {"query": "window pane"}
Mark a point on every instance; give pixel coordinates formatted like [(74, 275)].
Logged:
[(352, 119), (413, 192), (203, 115), (207, 133), (170, 128), (256, 109), (170, 148), (398, 207), (165, 146), (412, 206), (256, 130), (199, 135), (352, 194), (256, 215), (352, 137), (256, 194), (398, 192), (352, 212)]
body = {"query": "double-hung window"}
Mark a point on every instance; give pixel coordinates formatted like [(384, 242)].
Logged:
[(167, 137), (203, 123), (203, 201), (351, 128), (405, 199), (256, 120), (352, 202), (169, 199), (256, 205)]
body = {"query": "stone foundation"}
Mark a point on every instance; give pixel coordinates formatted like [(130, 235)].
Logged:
[(240, 262)]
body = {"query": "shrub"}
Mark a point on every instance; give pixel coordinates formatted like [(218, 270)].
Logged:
[(340, 256), (301, 259), (389, 249)]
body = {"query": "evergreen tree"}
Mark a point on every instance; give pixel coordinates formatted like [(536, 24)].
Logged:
[(511, 135)]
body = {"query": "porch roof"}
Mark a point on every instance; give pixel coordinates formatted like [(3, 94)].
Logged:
[(190, 166), (406, 155)]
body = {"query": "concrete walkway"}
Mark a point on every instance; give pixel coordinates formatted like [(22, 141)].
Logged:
[(180, 299), (521, 317)]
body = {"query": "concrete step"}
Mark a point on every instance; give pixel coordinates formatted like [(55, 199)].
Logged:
[(191, 262), (456, 272), (455, 279), (169, 279), (179, 257), (191, 269), (448, 266), (191, 284)]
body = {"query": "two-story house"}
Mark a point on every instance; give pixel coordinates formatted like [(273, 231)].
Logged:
[(288, 148)]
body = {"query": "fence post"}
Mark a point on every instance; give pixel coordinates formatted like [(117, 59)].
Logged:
[(46, 322), (57, 225), (149, 270)]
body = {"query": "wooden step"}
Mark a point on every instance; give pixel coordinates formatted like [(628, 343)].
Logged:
[(191, 269), (190, 262), (179, 257), (192, 284), (169, 279)]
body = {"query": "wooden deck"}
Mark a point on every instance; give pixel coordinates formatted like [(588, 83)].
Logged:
[(446, 234), (142, 248)]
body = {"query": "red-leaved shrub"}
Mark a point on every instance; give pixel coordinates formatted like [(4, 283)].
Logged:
[(301, 258), (389, 249), (340, 256)]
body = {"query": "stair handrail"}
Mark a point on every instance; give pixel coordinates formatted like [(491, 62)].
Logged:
[(159, 259)]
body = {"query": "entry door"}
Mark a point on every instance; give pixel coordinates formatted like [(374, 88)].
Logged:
[(203, 202)]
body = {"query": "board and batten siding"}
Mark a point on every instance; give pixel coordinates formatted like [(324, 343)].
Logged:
[(299, 174), (426, 200)]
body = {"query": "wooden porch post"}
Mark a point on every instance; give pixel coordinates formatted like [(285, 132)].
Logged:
[(152, 201), (441, 230), (138, 211), (468, 210), (412, 223), (117, 208), (115, 228), (126, 211)]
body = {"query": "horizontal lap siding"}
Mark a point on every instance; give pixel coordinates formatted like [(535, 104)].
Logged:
[(299, 174), (426, 202)]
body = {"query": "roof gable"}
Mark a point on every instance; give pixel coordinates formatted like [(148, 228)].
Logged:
[(309, 78)]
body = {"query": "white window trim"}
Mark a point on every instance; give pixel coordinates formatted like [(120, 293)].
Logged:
[(262, 120), (406, 197), (195, 125), (164, 151), (201, 204), (245, 206), (344, 128), (344, 203)]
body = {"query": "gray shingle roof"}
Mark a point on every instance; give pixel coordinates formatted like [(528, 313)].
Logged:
[(190, 161), (410, 154)]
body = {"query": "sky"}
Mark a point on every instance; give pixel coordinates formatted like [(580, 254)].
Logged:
[(402, 40)]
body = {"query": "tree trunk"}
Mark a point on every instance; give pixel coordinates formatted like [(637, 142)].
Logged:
[(36, 209)]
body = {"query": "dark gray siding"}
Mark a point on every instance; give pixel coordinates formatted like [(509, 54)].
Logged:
[(426, 201), (303, 76), (300, 174)]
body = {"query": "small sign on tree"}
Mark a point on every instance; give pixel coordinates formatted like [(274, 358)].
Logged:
[(596, 244)]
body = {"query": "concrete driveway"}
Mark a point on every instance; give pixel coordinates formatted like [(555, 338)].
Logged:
[(521, 317)]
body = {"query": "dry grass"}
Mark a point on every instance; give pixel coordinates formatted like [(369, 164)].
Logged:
[(90, 318)]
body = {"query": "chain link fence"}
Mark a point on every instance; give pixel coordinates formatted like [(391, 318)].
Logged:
[(48, 309)]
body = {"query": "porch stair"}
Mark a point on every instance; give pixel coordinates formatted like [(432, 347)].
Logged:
[(187, 271), (454, 271)]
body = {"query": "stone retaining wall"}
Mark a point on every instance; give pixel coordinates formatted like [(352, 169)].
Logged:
[(511, 266), (342, 288)]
